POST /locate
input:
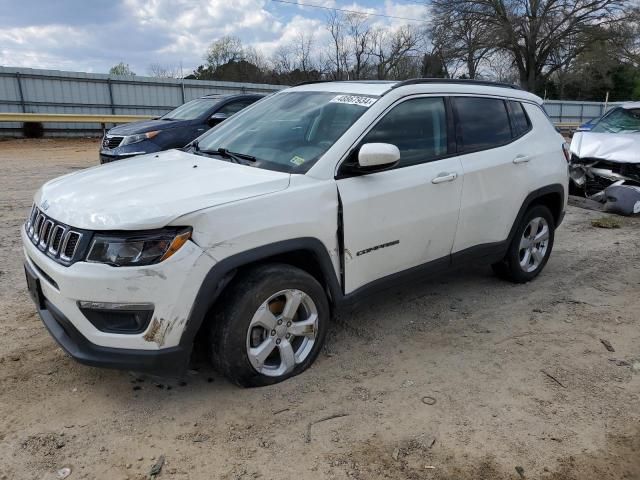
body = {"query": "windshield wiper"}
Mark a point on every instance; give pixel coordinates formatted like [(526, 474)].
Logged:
[(235, 156), (240, 158)]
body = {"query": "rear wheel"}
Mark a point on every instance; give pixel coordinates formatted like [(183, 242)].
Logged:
[(270, 327), (530, 247)]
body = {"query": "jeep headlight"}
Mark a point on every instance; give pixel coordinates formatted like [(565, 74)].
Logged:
[(137, 248), (140, 137)]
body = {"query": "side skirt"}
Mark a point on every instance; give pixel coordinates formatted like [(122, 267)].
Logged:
[(486, 254)]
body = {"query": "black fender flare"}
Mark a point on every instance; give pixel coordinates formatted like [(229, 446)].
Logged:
[(495, 251), (222, 273), (531, 198)]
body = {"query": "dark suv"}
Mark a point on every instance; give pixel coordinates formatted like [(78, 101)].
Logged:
[(174, 129)]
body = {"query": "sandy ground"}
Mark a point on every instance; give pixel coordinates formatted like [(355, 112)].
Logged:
[(476, 346)]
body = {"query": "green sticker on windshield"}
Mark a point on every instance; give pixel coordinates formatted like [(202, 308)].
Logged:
[(297, 161)]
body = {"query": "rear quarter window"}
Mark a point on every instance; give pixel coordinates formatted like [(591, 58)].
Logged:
[(520, 122), (481, 123)]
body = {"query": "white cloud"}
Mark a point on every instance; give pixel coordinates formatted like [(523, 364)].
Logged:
[(141, 32)]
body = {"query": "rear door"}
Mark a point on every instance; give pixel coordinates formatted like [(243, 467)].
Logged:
[(407, 215), (497, 162)]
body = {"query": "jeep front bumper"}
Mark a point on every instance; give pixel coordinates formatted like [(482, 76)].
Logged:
[(170, 286)]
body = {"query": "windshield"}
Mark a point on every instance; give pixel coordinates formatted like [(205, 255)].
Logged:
[(289, 131), (621, 120), (191, 110)]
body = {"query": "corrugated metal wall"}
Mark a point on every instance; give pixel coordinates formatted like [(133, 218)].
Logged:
[(564, 111), (51, 91)]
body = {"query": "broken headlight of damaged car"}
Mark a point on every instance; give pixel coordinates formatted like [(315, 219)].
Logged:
[(129, 249), (607, 155)]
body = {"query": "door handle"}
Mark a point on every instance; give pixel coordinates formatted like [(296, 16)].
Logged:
[(521, 159), (445, 177)]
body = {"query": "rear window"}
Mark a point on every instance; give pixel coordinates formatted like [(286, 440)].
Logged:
[(519, 119), (481, 123)]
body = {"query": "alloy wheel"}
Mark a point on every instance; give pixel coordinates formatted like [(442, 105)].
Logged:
[(282, 332), (533, 244)]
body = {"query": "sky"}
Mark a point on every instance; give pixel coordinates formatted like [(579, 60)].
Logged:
[(94, 35)]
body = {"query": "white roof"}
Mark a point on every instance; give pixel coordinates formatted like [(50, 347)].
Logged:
[(373, 87), (630, 105), (362, 87)]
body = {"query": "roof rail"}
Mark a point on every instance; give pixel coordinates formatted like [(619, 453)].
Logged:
[(311, 82), (461, 81)]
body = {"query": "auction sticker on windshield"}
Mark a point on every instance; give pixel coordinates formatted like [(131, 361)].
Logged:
[(354, 100)]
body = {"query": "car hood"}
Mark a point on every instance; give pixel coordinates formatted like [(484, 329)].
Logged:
[(151, 190), (615, 147), (147, 126)]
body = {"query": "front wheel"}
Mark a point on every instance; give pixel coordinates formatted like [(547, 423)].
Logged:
[(270, 327), (530, 247)]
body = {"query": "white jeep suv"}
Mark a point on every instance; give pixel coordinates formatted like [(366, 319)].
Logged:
[(251, 236)]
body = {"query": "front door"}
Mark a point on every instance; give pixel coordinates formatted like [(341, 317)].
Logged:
[(405, 216)]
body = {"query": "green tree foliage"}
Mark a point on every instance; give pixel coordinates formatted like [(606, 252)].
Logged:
[(121, 69)]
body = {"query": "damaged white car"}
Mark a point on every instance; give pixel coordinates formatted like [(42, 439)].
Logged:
[(605, 161)]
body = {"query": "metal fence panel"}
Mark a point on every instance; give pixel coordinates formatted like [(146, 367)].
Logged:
[(52, 91), (565, 111)]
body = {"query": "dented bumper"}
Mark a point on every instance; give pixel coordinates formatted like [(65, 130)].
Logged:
[(169, 288), (165, 362), (591, 176)]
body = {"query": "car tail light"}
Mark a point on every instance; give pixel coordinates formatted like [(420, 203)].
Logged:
[(566, 151)]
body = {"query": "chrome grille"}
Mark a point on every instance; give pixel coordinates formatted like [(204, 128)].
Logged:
[(45, 233), (55, 239), (111, 141), (69, 245)]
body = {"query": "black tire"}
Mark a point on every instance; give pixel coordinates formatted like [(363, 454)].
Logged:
[(509, 268), (241, 300)]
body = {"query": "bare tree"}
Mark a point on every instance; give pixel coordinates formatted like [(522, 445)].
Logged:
[(296, 55), (282, 60), (302, 50), (442, 50), (359, 38), (255, 57), (462, 36), (501, 67), (626, 38), (159, 70), (392, 50), (532, 30), (337, 57)]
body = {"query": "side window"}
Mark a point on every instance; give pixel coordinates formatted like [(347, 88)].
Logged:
[(234, 107), (520, 122), (481, 123), (418, 127)]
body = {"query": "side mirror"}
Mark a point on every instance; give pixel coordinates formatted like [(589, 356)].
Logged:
[(216, 118), (378, 156)]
